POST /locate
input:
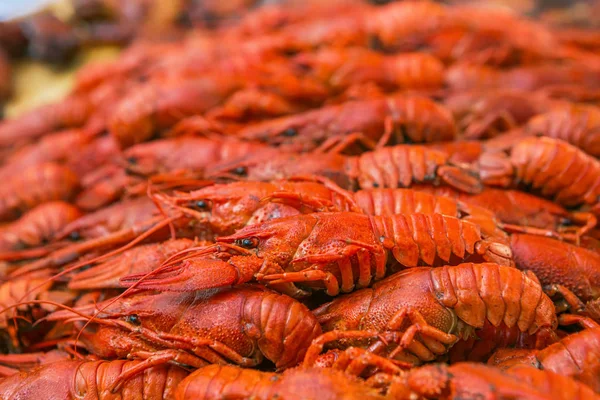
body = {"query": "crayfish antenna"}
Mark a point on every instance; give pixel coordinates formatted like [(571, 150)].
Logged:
[(162, 211), (181, 180), (172, 203), (71, 253), (140, 259), (512, 228), (164, 182), (31, 360), (126, 234), (35, 252), (7, 371), (52, 303), (293, 199), (171, 263)]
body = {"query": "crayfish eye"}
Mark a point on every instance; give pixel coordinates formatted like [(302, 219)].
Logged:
[(74, 236), (201, 204), (375, 43), (241, 171), (289, 132), (566, 221), (133, 319), (184, 20), (248, 243)]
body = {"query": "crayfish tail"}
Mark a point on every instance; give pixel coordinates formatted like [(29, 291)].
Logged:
[(460, 179), (496, 252)]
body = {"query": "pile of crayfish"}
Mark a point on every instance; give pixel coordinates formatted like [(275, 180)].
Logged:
[(318, 201)]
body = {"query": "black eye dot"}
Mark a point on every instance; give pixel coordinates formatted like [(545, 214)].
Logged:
[(375, 184), (248, 243), (132, 160), (133, 319), (201, 204), (290, 132), (304, 67), (85, 267), (240, 171), (566, 221), (375, 43), (74, 235), (183, 19)]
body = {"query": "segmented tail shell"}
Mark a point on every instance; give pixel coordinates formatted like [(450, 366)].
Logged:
[(421, 119), (151, 108), (480, 292), (286, 327), (415, 70), (138, 260), (92, 379), (36, 185), (223, 381), (71, 112), (557, 170), (401, 201), (393, 167), (467, 76), (397, 23), (435, 239), (39, 225), (578, 125)]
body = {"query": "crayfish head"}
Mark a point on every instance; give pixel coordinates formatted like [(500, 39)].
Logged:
[(232, 206), (223, 207), (126, 312), (108, 342), (278, 240), (273, 132), (283, 164), (145, 158)]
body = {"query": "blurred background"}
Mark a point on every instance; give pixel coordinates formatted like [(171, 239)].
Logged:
[(14, 8), (42, 42)]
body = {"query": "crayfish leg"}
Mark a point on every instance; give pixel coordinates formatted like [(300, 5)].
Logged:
[(583, 321), (354, 360), (575, 304), (340, 143), (331, 283), (317, 345)]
